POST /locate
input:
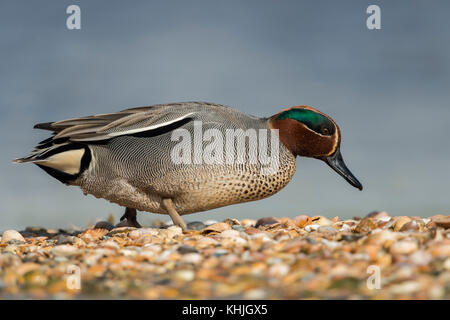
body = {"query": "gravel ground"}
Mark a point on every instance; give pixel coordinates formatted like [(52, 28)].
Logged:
[(376, 257)]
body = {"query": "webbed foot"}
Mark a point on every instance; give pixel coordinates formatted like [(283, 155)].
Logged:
[(129, 219)]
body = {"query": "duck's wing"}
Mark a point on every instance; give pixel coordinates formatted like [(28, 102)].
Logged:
[(125, 122), (142, 121)]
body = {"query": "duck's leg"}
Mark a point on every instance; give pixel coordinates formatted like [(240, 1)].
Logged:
[(129, 219), (177, 220)]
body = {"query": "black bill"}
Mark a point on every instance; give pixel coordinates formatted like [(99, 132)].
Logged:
[(336, 162)]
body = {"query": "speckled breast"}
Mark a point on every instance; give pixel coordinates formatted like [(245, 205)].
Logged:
[(217, 186)]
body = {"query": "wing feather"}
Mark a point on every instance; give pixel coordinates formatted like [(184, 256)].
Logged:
[(126, 122)]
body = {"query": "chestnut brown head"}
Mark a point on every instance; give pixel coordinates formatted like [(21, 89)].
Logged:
[(307, 132)]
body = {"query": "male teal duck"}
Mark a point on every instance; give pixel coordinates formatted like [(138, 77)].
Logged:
[(142, 158)]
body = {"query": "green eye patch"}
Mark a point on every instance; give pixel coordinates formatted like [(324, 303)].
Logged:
[(313, 120)]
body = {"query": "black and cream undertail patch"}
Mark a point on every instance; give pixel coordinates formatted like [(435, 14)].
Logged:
[(68, 161), (65, 162)]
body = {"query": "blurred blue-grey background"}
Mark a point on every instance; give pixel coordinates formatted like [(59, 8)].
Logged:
[(388, 90)]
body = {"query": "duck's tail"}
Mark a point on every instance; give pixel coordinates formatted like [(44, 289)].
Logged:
[(61, 158)]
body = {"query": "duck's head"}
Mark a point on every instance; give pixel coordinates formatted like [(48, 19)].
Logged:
[(308, 132)]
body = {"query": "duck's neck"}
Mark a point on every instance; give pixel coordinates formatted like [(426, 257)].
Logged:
[(287, 132)]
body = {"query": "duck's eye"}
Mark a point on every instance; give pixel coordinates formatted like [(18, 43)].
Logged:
[(325, 131)]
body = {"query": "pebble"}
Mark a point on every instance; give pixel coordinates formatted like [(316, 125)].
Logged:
[(164, 256), (440, 250), (255, 294), (443, 222), (16, 242), (312, 227), (260, 236), (194, 258), (138, 233), (232, 221), (436, 293), (210, 222), (104, 225), (65, 239), (206, 242), (195, 225), (229, 234), (266, 221), (220, 252), (119, 230), (61, 259), (12, 235), (128, 252), (168, 223), (248, 222), (404, 247), (365, 225), (251, 230), (111, 245), (384, 237), (145, 254), (274, 260), (376, 215), (410, 226), (350, 237), (184, 249), (420, 258), (238, 228), (331, 244), (64, 250), (278, 270), (321, 221), (11, 248), (400, 222), (327, 230), (405, 288), (153, 247), (174, 231), (184, 275), (239, 241), (216, 228), (447, 264), (302, 221)]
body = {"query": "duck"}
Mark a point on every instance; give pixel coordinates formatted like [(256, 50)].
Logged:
[(186, 157)]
